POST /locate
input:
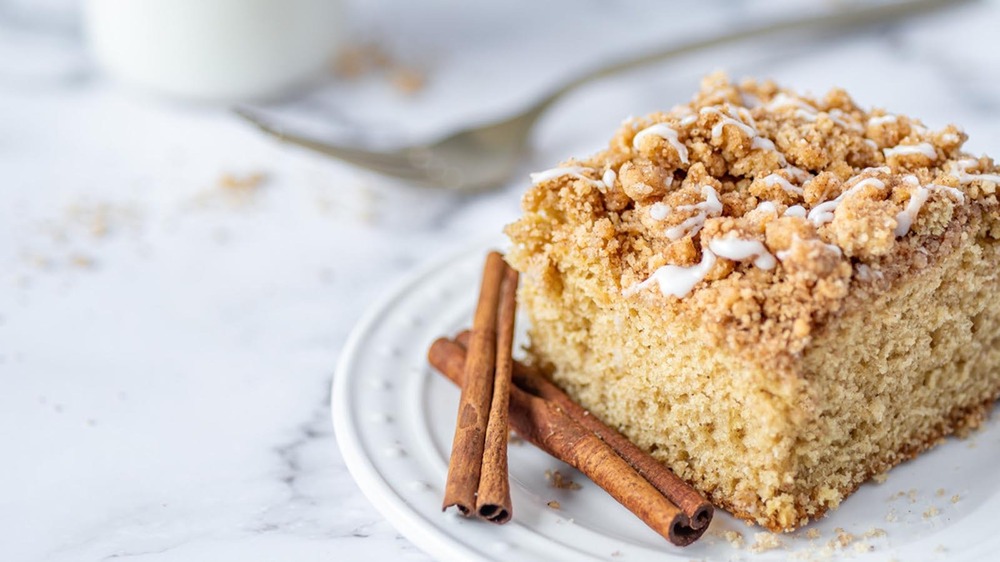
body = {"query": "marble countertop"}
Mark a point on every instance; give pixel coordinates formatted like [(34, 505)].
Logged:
[(175, 289)]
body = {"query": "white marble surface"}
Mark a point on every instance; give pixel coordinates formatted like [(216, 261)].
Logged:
[(166, 349)]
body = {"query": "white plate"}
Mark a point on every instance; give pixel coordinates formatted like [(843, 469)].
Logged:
[(394, 418)]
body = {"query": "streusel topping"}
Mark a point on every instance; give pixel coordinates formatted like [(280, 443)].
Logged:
[(761, 210)]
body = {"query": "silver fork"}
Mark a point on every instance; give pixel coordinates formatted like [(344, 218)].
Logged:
[(483, 156)]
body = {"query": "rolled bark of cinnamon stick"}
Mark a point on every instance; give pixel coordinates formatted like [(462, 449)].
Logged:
[(699, 510), (465, 464), (493, 500), (548, 426)]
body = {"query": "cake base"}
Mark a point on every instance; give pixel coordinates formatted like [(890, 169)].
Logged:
[(777, 296)]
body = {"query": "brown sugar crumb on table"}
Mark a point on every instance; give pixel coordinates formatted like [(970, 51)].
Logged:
[(778, 296), (556, 479)]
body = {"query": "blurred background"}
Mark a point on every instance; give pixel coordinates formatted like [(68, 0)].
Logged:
[(176, 286)]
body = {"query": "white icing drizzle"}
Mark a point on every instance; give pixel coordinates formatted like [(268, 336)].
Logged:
[(574, 171), (783, 255), (727, 119), (823, 213), (960, 171), (739, 249), (925, 148), (809, 116), (882, 120), (795, 211), (919, 196), (784, 100), (871, 143), (905, 218), (689, 227), (677, 280), (956, 193), (659, 211), (744, 114), (779, 180), (740, 122), (840, 118), (680, 109), (866, 273), (710, 207), (763, 143), (750, 100), (684, 114), (767, 207), (950, 138), (798, 174), (667, 133), (609, 177), (606, 181)]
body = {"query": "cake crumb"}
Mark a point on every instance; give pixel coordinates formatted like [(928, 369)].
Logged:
[(912, 495), (891, 517), (881, 478), (36, 261), (863, 547), (843, 539), (97, 219), (940, 492), (370, 58), (931, 512), (81, 261), (735, 538), (764, 542), (558, 480), (554, 504), (355, 60), (407, 80), (875, 532), (955, 498), (812, 534), (241, 186)]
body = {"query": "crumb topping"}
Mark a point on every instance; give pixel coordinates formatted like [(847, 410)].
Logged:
[(761, 209)]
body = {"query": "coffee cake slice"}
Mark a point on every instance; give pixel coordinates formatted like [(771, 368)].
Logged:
[(777, 296)]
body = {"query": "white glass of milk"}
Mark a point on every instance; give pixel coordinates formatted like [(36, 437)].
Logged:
[(214, 50)]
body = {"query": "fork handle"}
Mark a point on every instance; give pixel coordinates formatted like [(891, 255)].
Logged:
[(841, 17)]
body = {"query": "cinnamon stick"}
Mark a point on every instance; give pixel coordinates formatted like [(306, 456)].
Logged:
[(692, 503), (493, 500), (465, 464), (547, 425)]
